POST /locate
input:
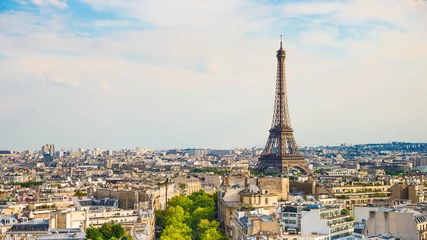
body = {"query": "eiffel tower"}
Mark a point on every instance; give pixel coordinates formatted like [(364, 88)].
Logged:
[(281, 152)]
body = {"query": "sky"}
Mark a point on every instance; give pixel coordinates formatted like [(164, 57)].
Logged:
[(175, 74)]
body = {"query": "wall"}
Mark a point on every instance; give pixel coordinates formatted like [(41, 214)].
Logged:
[(311, 222), (361, 213), (399, 191), (398, 224), (279, 186), (127, 199)]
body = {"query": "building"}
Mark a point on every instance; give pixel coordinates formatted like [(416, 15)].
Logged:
[(341, 172), (245, 193), (402, 224), (7, 221), (334, 222), (421, 162), (192, 184), (414, 192), (49, 149), (14, 178), (256, 224), (356, 194), (41, 229), (291, 217), (213, 180)]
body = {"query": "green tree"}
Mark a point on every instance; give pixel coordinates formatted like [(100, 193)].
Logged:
[(344, 211), (160, 218), (106, 230), (208, 230), (212, 234), (80, 194), (179, 231), (182, 201), (93, 233), (117, 231), (190, 217), (203, 200), (175, 215), (201, 213), (205, 224)]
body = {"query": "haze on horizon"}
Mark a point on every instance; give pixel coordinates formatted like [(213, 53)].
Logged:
[(156, 74)]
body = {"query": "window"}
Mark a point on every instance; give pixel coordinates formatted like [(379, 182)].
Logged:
[(285, 214), (266, 200)]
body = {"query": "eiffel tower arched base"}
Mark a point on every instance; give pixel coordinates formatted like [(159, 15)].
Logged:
[(282, 165)]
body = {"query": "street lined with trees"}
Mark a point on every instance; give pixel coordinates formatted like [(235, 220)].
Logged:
[(190, 218)]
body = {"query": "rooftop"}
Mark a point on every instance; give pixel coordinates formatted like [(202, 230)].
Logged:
[(38, 225)]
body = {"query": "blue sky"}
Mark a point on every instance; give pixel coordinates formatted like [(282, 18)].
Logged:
[(158, 74)]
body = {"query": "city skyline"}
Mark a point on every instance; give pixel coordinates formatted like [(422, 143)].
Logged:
[(114, 74)]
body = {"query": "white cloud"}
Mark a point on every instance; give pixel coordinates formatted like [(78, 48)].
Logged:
[(54, 3)]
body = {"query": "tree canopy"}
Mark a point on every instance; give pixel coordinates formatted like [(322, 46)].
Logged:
[(190, 217), (108, 231), (182, 201)]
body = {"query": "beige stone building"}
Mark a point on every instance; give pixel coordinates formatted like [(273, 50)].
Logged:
[(140, 199), (414, 192), (408, 225), (257, 224), (141, 221), (213, 180), (356, 195), (244, 193), (191, 184)]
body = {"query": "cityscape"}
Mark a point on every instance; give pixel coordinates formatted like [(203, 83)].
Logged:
[(278, 190)]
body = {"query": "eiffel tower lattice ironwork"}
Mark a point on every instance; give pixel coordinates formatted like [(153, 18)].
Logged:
[(281, 152)]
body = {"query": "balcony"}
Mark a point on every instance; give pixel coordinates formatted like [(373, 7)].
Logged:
[(346, 221), (341, 231), (45, 207)]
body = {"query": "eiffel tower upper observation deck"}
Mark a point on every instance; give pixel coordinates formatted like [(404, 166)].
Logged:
[(281, 152)]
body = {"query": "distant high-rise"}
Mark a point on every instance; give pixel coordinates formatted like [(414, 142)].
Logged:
[(49, 149), (281, 152)]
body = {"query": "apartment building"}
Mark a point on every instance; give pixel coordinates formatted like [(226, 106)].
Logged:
[(402, 224), (240, 193), (357, 194), (334, 222), (213, 180), (256, 224), (414, 192), (192, 184)]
